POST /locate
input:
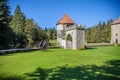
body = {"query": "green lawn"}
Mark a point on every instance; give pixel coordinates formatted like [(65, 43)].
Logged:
[(100, 63)]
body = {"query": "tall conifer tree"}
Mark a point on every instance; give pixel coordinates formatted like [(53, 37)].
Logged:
[(17, 24), (5, 30)]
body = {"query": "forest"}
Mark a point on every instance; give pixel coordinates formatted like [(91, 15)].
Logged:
[(18, 31), (100, 33)]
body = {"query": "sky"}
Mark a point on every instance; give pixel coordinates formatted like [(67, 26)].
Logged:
[(48, 12)]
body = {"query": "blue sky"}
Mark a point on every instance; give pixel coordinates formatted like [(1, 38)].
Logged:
[(47, 12)]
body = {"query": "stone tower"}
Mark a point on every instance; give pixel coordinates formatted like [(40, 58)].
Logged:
[(115, 32), (67, 28)]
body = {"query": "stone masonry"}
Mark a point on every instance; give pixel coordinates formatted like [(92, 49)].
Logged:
[(115, 32), (65, 27)]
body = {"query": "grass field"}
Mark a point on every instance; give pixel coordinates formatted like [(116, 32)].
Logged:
[(100, 63)]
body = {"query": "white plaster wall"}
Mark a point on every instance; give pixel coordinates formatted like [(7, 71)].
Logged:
[(63, 43)]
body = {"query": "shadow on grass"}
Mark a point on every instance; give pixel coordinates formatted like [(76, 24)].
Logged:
[(90, 48), (110, 71), (12, 78), (9, 53), (47, 50)]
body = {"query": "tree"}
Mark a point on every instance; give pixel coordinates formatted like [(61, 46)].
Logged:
[(54, 34), (17, 24), (99, 33), (69, 37), (103, 33), (108, 31), (18, 20), (5, 31), (29, 32), (87, 35), (51, 33), (99, 29), (33, 33)]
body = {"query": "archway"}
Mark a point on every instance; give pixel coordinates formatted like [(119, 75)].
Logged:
[(69, 42)]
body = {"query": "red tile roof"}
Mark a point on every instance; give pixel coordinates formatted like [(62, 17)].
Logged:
[(65, 20), (116, 21)]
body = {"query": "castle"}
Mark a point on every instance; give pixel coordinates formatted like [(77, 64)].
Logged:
[(69, 35), (115, 32)]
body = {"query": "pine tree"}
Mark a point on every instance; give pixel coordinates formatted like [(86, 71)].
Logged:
[(18, 20), (5, 30), (99, 29), (51, 33), (103, 32), (33, 32), (17, 24), (108, 33), (99, 33), (28, 29), (54, 34)]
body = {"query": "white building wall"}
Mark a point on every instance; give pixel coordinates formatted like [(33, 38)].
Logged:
[(76, 34), (74, 39), (59, 38), (115, 33), (118, 31), (63, 43)]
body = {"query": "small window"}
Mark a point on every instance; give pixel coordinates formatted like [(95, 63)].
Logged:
[(116, 34), (67, 25)]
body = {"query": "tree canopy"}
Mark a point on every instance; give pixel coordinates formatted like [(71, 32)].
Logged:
[(99, 33), (17, 31), (5, 31)]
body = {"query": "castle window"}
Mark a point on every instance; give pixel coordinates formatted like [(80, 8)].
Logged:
[(67, 25), (116, 34)]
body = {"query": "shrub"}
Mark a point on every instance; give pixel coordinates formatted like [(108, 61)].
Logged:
[(81, 48), (116, 44)]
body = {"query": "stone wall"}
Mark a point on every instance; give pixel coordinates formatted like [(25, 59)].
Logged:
[(60, 36), (77, 34), (73, 35), (69, 44), (80, 38), (115, 33)]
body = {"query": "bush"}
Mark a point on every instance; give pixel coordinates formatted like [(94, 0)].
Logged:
[(81, 48), (116, 44)]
